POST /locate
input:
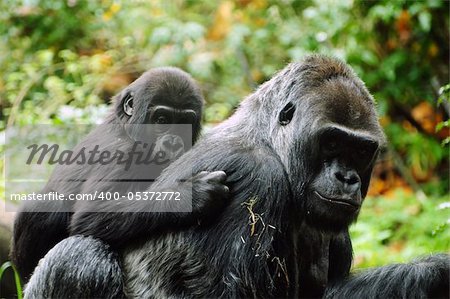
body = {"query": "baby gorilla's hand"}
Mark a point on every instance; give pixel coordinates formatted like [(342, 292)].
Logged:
[(209, 192)]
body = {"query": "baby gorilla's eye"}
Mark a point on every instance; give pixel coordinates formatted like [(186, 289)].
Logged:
[(162, 120), (332, 145)]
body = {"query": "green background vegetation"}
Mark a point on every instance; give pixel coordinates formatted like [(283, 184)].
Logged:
[(61, 61)]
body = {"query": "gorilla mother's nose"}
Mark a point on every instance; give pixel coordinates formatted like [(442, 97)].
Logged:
[(349, 179)]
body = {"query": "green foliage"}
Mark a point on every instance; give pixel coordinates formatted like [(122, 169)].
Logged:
[(444, 99), (444, 94), (421, 151), (7, 265), (38, 27), (403, 224)]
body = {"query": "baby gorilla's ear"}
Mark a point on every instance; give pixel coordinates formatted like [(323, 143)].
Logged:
[(127, 103)]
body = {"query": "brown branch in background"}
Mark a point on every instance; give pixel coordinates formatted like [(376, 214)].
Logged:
[(406, 174), (406, 114), (400, 109)]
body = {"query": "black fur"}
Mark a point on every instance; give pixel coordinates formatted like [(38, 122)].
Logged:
[(297, 180), (428, 277), (36, 231), (92, 256)]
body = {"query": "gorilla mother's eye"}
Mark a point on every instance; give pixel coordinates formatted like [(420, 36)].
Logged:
[(330, 147), (367, 149), (286, 114), (362, 151)]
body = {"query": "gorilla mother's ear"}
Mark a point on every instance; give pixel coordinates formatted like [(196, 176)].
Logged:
[(127, 103), (286, 114)]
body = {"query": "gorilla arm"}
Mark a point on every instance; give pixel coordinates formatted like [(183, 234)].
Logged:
[(427, 277), (117, 228)]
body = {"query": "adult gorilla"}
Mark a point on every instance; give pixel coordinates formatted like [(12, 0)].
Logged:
[(161, 97), (298, 154)]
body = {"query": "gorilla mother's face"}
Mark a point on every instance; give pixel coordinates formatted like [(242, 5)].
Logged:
[(347, 147), (337, 139)]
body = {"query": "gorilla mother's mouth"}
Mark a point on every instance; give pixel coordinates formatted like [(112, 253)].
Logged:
[(342, 201)]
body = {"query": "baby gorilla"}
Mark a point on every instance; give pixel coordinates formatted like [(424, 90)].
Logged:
[(145, 112)]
